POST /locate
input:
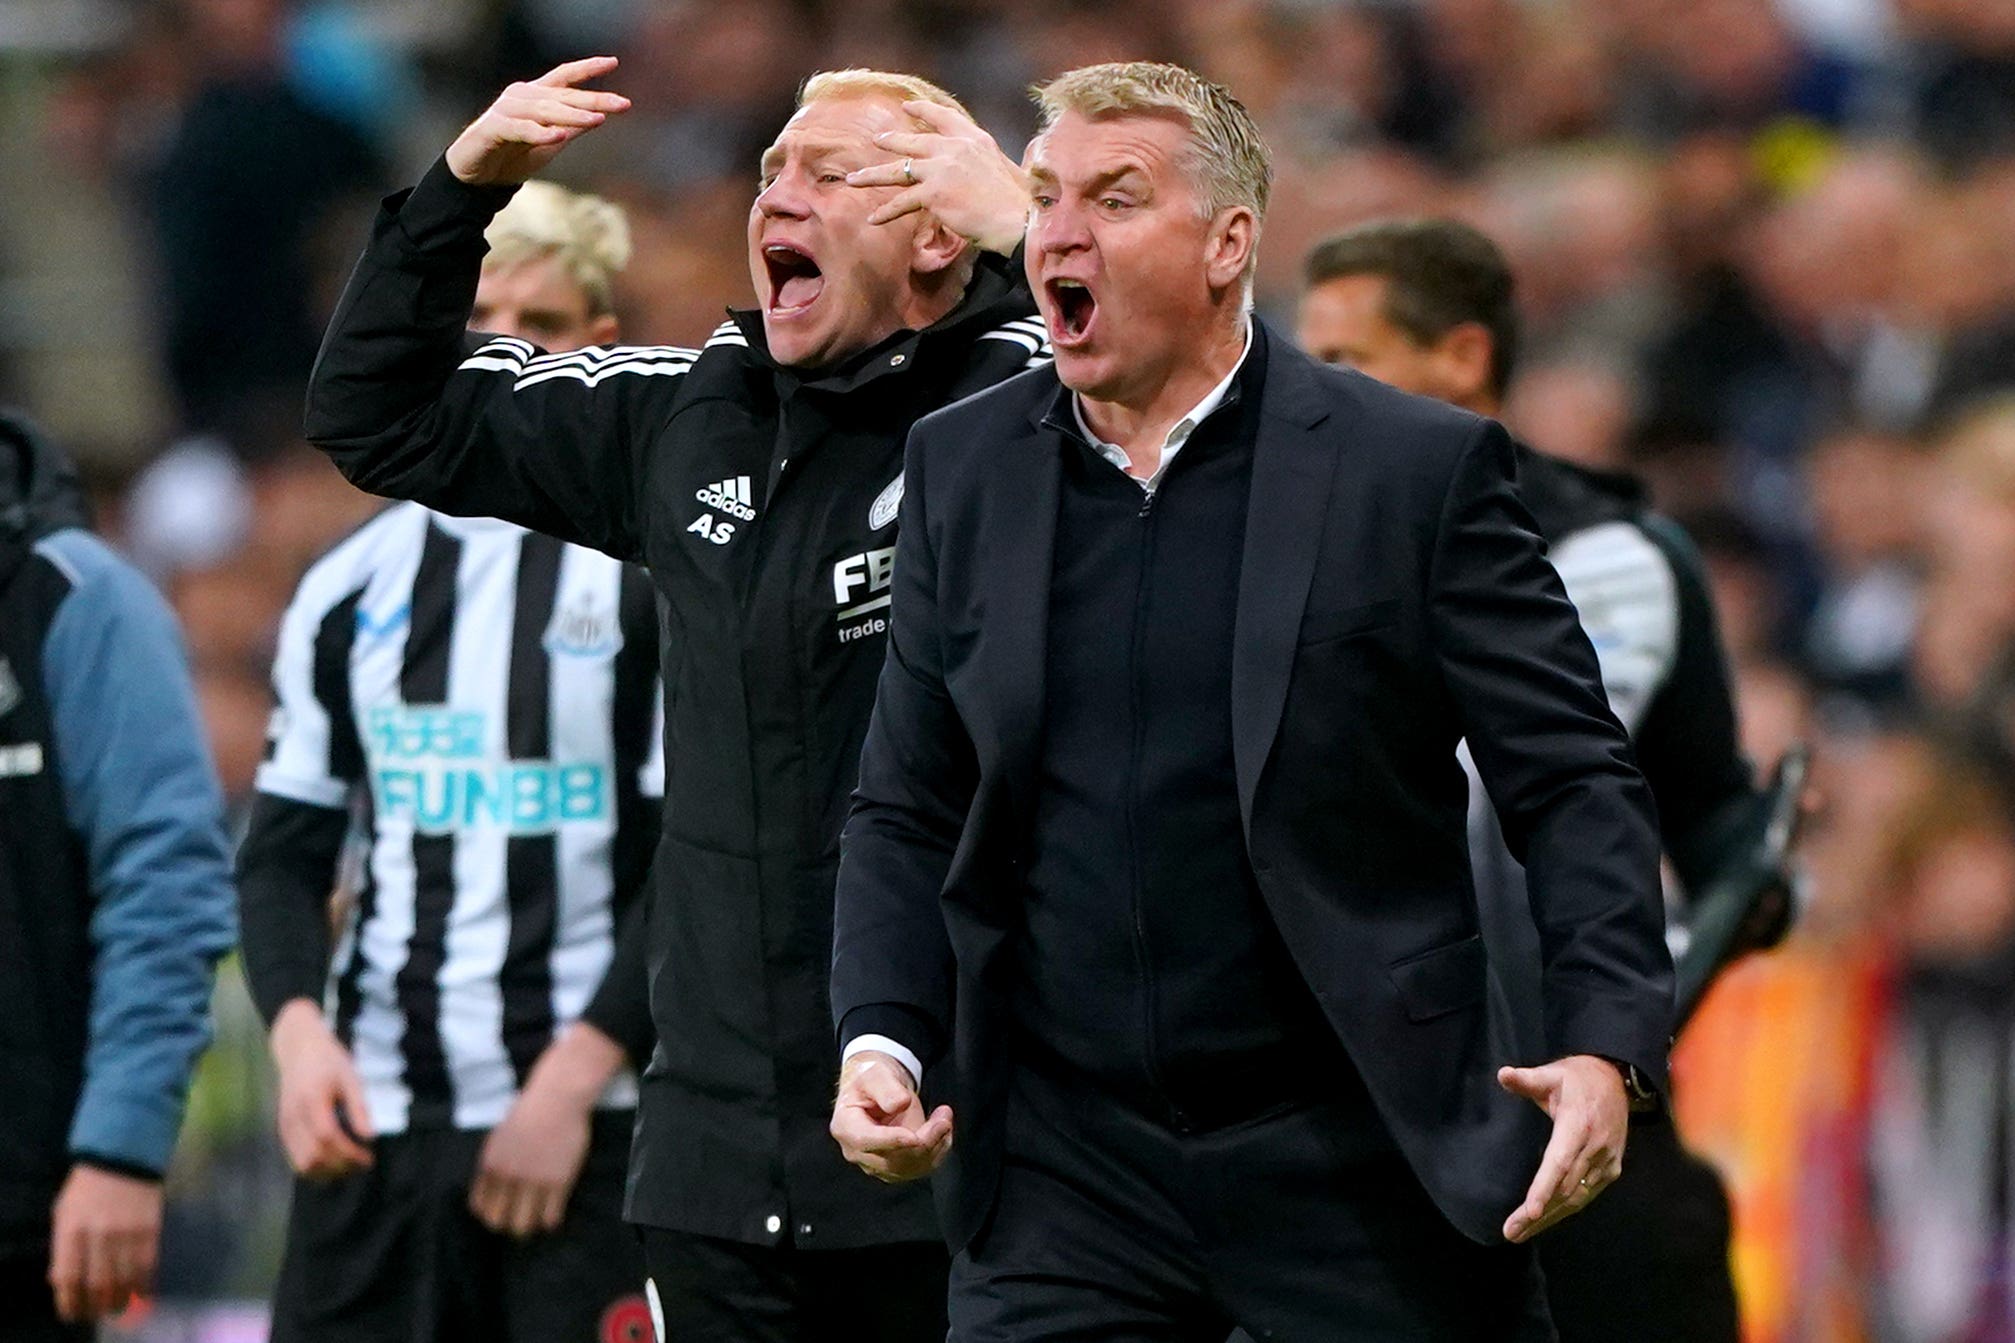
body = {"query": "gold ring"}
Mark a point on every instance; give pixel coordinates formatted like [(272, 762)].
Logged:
[(1584, 1182)]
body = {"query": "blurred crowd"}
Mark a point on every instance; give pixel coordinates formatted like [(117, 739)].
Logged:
[(1766, 258)]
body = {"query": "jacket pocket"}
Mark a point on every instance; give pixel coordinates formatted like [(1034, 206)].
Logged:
[(1443, 980), (1321, 627)]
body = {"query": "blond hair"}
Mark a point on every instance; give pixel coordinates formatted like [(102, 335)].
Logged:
[(1229, 161), (1978, 448), (589, 236), (859, 83)]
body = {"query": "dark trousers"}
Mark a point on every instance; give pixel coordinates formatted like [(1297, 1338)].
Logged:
[(1663, 1230), (393, 1255), (721, 1291), (1301, 1224), (28, 1307)]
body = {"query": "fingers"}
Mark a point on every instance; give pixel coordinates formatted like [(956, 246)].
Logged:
[(909, 202), (913, 144), (335, 1150), (486, 1200), (893, 1153), (575, 72), (552, 113), (552, 1209), (885, 1085), (1583, 1192), (68, 1263), (102, 1277), (880, 1124), (1580, 1162), (318, 1145), (356, 1114), (507, 1206), (518, 1207), (937, 1136), (142, 1256), (94, 1276), (1537, 1085), (1561, 1151), (539, 101), (895, 173), (530, 122), (521, 1216), (942, 119)]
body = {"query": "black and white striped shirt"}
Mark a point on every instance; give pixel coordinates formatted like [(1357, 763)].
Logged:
[(487, 699)]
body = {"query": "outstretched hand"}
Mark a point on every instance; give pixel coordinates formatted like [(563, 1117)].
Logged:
[(879, 1121), (531, 122), (1584, 1097), (955, 171)]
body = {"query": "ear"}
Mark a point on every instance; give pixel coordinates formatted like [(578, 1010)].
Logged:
[(1234, 232), (937, 248), (1465, 352), (604, 330)]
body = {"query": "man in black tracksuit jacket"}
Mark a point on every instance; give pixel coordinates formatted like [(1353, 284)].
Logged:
[(1428, 306), (758, 478)]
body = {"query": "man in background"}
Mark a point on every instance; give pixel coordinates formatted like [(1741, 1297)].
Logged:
[(457, 1088), (115, 903), (1428, 306)]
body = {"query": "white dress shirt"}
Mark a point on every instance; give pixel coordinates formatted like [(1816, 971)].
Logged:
[(1177, 436)]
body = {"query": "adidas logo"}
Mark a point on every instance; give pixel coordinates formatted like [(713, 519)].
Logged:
[(730, 496)]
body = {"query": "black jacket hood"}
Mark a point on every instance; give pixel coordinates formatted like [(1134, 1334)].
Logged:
[(39, 488)]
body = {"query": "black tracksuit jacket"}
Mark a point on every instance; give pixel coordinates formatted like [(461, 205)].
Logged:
[(763, 501)]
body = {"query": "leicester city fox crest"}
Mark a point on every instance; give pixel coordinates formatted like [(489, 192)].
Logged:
[(887, 504)]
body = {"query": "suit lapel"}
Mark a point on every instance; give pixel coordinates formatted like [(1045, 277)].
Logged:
[(1292, 472), (1019, 544)]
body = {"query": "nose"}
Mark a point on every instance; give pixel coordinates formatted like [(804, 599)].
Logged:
[(1059, 229), (784, 197)]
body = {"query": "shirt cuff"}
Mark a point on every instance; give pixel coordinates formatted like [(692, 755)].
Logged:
[(901, 1053)]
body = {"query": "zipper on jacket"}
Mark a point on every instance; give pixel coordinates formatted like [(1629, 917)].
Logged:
[(1151, 1046)]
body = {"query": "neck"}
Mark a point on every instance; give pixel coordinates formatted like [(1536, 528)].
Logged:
[(1139, 421), (931, 298), (1485, 404)]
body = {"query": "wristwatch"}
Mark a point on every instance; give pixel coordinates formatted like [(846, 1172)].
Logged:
[(1636, 1089)]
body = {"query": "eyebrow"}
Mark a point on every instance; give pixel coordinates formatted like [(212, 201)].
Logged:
[(810, 148), (1098, 183)]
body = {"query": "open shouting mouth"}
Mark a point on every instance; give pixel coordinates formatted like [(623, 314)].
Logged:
[(1072, 310), (795, 279)]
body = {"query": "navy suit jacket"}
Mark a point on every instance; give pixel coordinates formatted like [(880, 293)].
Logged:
[(1393, 599)]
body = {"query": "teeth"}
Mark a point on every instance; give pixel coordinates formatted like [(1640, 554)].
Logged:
[(1070, 284)]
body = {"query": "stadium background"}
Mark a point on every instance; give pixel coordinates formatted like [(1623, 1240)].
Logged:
[(1766, 251)]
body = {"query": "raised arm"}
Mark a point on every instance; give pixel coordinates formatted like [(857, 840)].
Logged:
[(408, 404)]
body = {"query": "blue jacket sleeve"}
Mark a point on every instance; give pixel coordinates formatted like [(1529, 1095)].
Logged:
[(140, 790)]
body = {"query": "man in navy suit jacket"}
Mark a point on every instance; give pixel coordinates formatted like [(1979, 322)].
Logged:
[(1157, 869)]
